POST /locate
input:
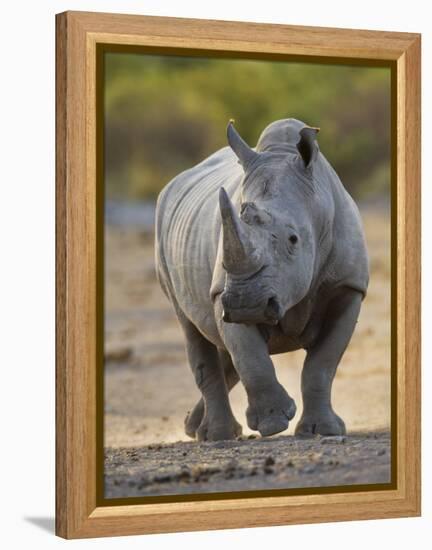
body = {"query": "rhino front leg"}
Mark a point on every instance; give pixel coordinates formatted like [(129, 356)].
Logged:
[(270, 408), (320, 366), (195, 417), (217, 421)]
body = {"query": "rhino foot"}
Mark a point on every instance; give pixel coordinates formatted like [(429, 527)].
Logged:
[(323, 424), (198, 426), (271, 411), (218, 431)]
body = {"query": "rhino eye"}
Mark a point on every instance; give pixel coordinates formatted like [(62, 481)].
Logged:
[(293, 239)]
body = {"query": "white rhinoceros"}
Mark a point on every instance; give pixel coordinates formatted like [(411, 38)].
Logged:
[(261, 251)]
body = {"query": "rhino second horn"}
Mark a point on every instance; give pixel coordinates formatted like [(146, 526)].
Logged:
[(244, 153), (239, 254)]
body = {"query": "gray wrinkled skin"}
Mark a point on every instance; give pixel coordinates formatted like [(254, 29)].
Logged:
[(261, 251)]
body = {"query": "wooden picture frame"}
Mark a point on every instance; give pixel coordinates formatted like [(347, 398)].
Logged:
[(78, 228)]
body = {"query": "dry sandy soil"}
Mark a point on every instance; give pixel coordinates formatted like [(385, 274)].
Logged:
[(149, 389)]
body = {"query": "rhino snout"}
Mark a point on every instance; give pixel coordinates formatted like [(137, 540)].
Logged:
[(237, 309)]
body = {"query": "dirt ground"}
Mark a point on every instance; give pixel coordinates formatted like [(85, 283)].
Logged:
[(282, 462), (149, 389)]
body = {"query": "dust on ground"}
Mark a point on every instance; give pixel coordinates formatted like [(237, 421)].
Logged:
[(149, 389)]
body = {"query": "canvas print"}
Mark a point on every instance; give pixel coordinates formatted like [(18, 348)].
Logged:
[(247, 276)]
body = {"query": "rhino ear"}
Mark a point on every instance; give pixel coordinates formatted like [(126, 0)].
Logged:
[(245, 154), (308, 145)]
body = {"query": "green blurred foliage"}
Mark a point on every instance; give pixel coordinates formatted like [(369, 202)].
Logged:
[(164, 114)]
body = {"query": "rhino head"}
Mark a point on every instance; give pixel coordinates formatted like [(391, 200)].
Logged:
[(270, 240)]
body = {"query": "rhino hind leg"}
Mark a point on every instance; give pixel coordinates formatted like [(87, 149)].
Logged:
[(194, 418), (320, 366), (217, 421)]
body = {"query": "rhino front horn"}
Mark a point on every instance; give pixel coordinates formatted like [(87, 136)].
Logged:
[(240, 256), (244, 153)]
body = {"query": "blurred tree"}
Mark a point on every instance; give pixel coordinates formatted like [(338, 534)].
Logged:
[(164, 114)]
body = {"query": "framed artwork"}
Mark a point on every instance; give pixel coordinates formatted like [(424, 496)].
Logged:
[(238, 274)]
